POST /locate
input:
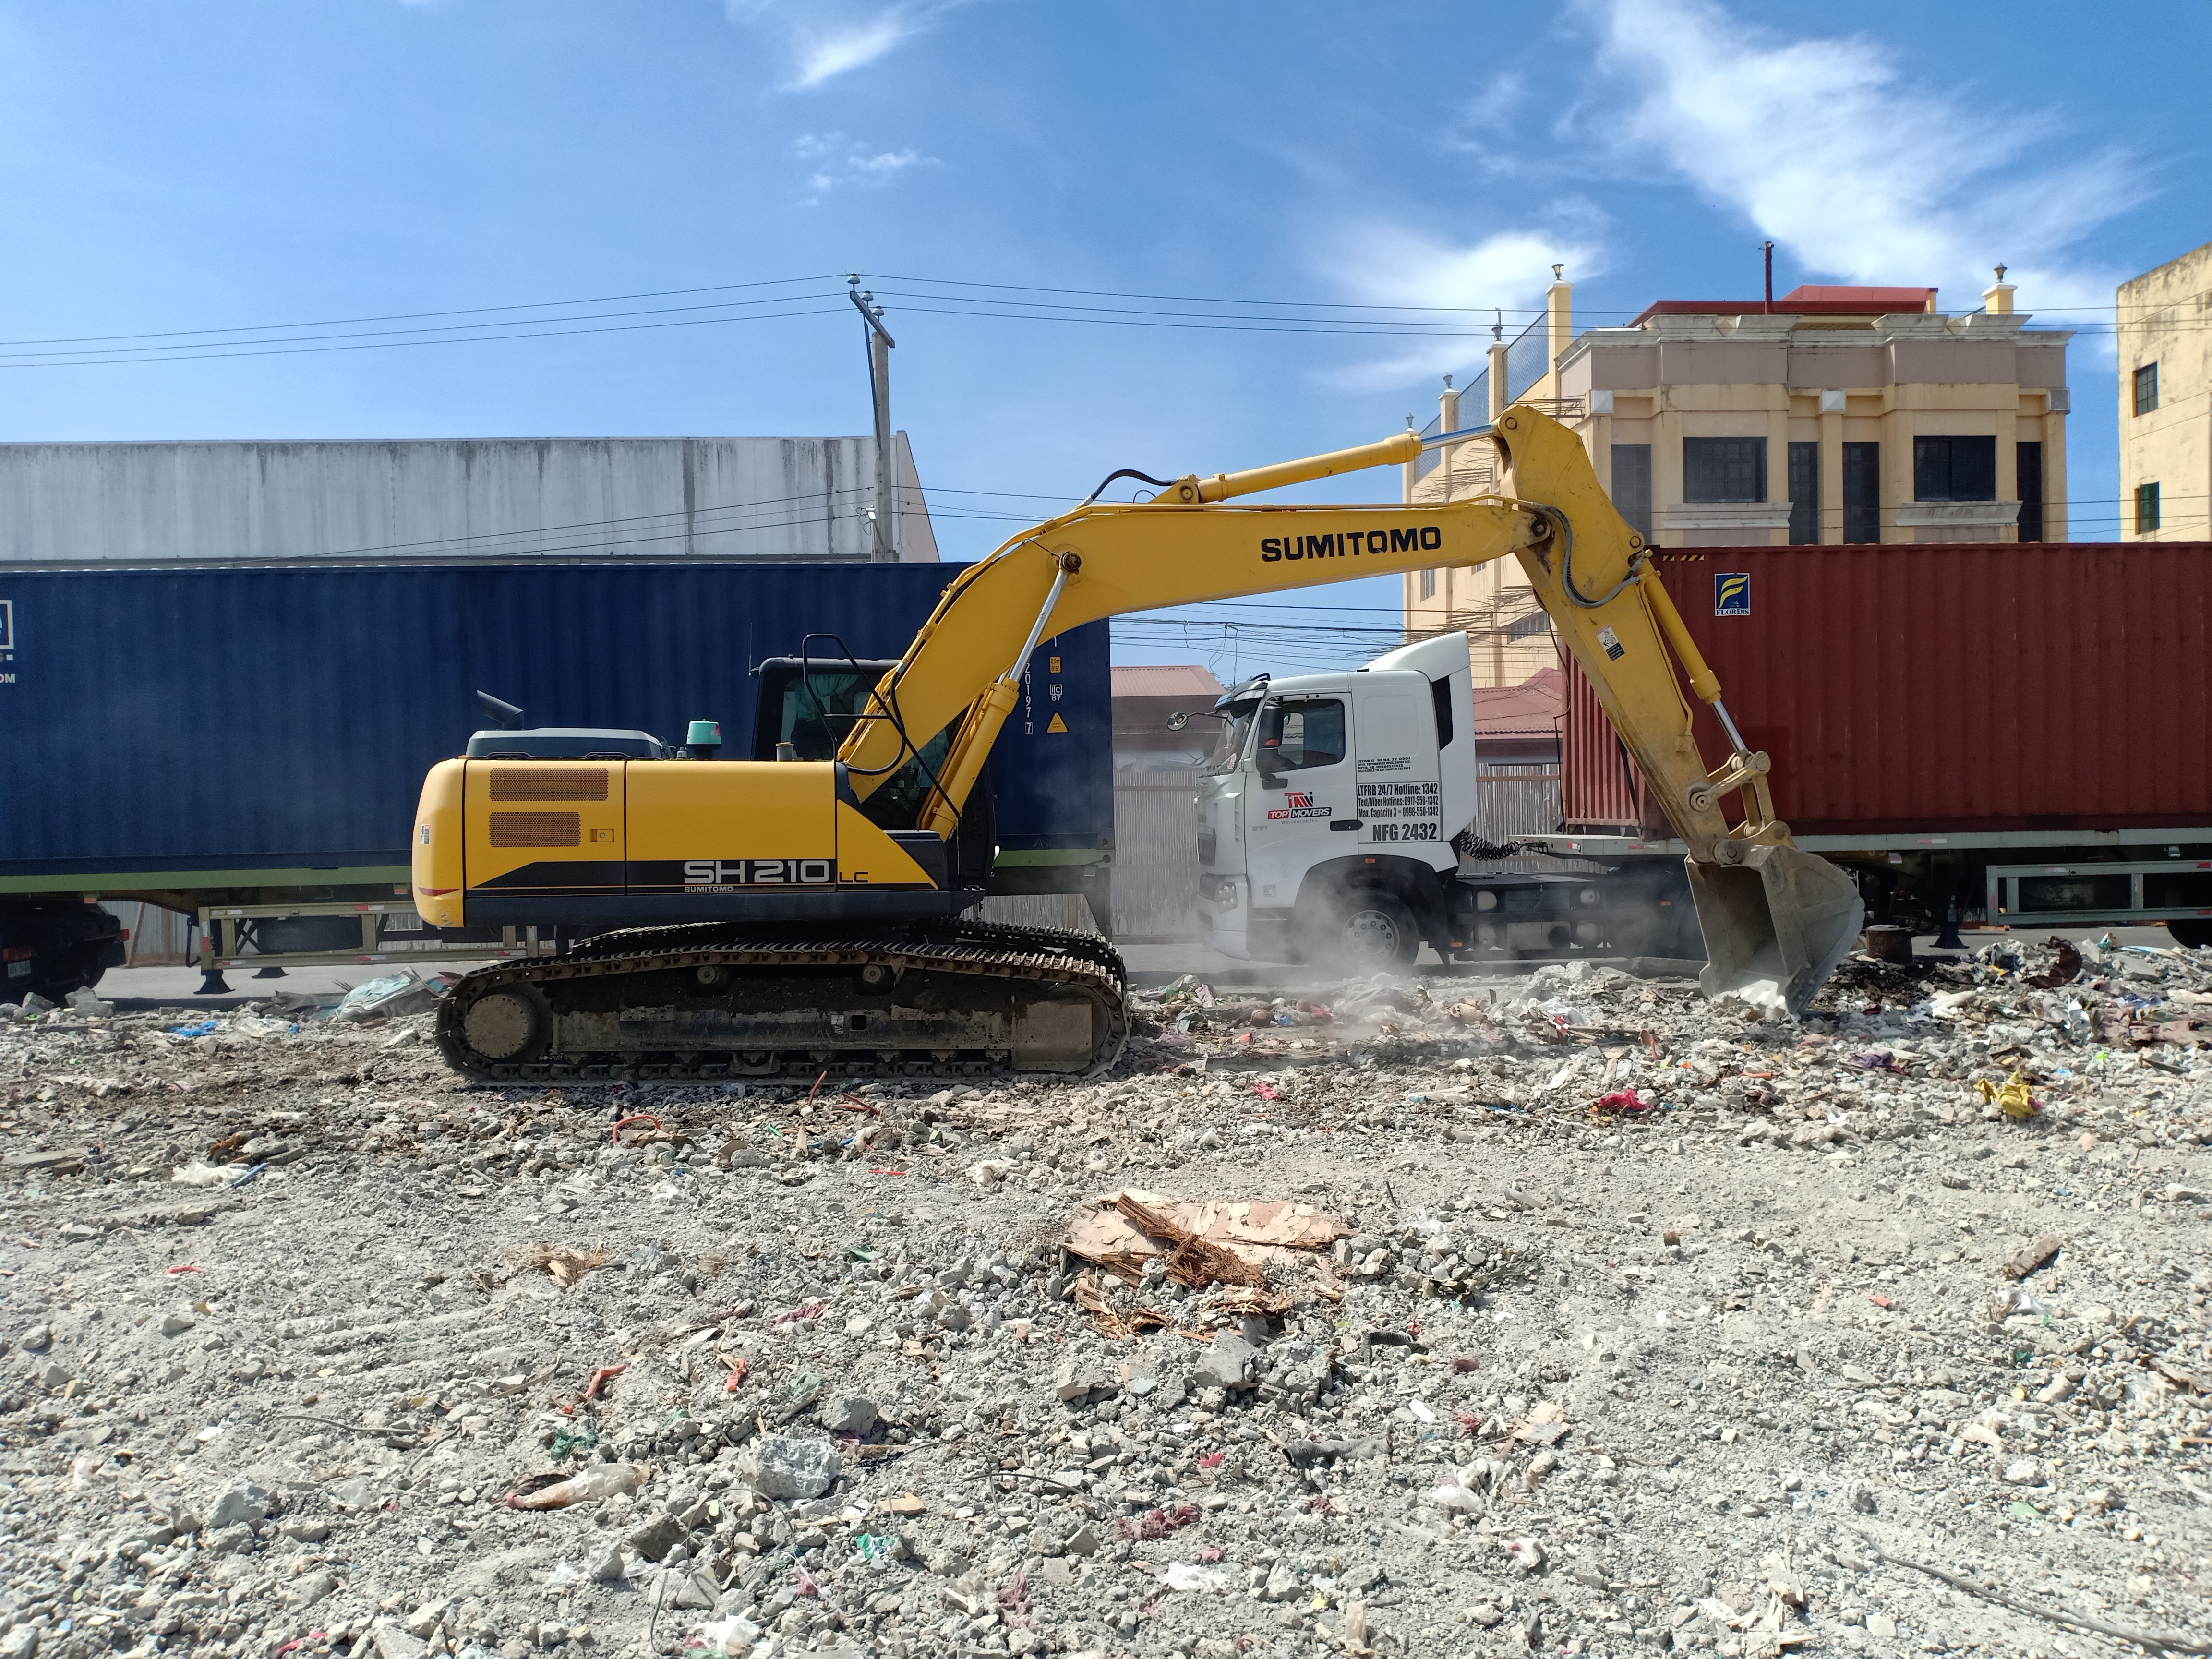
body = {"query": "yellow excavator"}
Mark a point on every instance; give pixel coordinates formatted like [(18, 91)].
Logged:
[(791, 917)]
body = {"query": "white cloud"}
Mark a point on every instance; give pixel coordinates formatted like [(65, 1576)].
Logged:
[(1827, 148), (824, 55), (838, 161), (828, 40), (1509, 270)]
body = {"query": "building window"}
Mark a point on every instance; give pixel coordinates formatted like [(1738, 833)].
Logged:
[(2146, 508), (1428, 584), (2146, 388), (2030, 492), (1955, 469), (1723, 468), (1804, 495), (1862, 492), (1632, 486), (1527, 628)]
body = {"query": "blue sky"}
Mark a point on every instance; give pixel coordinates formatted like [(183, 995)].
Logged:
[(188, 166)]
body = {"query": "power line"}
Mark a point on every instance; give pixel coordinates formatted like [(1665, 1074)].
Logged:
[(411, 316), (1189, 299), (431, 334), (1348, 326), (275, 350), (995, 301)]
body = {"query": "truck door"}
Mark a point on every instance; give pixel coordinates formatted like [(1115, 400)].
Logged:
[(1398, 800), (1302, 794)]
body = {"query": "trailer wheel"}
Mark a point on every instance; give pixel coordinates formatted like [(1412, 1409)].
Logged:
[(1364, 929), (2191, 935)]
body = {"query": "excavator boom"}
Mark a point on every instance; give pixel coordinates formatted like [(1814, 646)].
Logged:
[(789, 881)]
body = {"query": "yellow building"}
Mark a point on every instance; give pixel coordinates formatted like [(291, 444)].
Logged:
[(1509, 637), (1838, 414), (2164, 318)]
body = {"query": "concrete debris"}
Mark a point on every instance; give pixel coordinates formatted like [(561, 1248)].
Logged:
[(436, 1370), (777, 1466)]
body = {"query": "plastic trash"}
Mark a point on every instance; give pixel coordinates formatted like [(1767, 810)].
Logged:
[(404, 993), (202, 1027), (732, 1636), (1456, 1498), (2013, 1099), (585, 1486)]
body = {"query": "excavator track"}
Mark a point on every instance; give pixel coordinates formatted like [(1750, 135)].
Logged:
[(709, 1001)]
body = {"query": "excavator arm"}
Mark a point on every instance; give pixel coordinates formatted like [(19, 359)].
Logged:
[(1776, 920)]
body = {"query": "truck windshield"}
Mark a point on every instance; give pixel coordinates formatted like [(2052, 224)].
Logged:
[(1236, 733)]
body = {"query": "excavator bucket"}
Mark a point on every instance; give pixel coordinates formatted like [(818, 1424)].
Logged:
[(1775, 926)]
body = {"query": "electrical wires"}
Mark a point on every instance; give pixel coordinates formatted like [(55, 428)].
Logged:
[(521, 321)]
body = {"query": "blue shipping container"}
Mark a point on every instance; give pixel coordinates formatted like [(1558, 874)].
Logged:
[(255, 718)]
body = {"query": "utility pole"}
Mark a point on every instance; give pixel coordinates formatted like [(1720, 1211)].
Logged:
[(884, 547)]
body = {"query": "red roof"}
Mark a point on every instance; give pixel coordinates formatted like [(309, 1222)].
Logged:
[(1803, 300), (1897, 298), (1530, 709)]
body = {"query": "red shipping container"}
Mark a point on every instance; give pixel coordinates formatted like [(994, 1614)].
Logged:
[(1959, 687)]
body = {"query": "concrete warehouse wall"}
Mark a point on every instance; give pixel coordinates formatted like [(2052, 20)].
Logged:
[(769, 498)]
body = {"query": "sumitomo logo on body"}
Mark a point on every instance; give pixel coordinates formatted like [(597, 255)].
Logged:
[(6, 641), (1299, 805)]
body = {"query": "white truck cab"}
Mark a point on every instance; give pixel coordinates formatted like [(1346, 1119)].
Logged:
[(1336, 814)]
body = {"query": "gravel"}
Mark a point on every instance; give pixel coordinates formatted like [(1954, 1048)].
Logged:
[(1705, 1365)]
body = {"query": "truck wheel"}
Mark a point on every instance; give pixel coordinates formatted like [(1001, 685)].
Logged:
[(2192, 935), (80, 970), (1364, 929)]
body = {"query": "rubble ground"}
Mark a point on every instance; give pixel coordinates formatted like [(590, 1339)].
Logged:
[(1649, 1324)]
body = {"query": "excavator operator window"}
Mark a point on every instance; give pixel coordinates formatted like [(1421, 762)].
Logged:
[(813, 705), (1307, 732), (818, 709)]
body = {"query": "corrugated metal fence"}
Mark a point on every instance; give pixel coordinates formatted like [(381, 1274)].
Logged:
[(1516, 803), (159, 937), (1156, 856)]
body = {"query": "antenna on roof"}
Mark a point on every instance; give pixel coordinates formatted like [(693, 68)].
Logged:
[(1770, 275)]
